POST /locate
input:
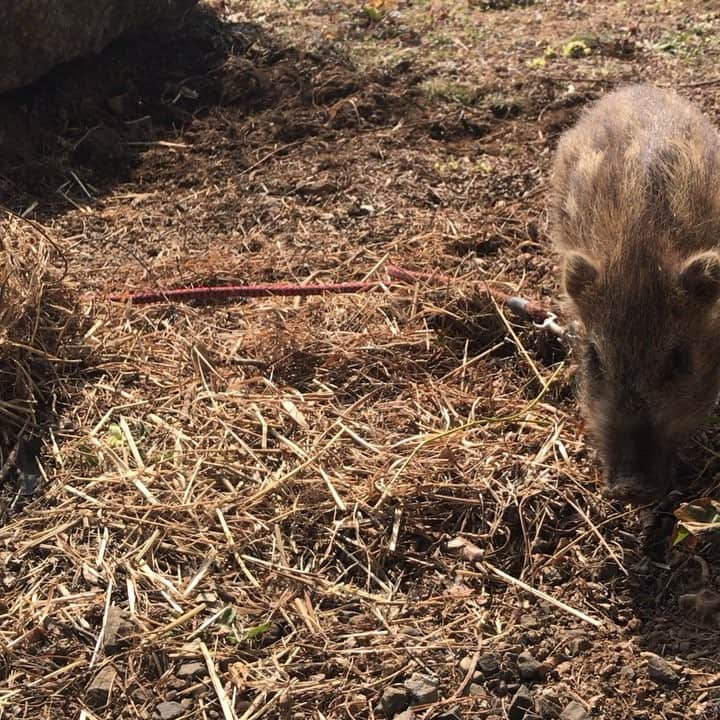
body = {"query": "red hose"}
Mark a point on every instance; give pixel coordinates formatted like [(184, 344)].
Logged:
[(521, 306)]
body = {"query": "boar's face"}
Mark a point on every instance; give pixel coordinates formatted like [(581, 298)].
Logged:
[(649, 365)]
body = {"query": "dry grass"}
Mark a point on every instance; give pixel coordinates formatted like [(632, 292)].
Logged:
[(39, 322), (275, 480)]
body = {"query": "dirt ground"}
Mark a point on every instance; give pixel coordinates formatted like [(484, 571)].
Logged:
[(246, 507)]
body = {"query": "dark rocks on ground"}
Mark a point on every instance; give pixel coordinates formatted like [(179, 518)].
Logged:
[(521, 703), (488, 664), (577, 644), (117, 628), (99, 689), (548, 705), (395, 699), (170, 710), (661, 671), (423, 688), (530, 669)]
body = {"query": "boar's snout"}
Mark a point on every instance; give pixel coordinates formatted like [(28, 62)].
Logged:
[(637, 487), (639, 466)]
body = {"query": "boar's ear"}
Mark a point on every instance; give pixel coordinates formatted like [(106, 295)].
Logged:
[(580, 275), (700, 277)]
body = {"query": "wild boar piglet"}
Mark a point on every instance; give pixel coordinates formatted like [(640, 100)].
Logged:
[(635, 218)]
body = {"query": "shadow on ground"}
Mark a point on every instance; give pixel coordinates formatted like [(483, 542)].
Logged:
[(82, 129)]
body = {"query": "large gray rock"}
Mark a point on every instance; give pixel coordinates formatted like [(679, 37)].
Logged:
[(36, 35)]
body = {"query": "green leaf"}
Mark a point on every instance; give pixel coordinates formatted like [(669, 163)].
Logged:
[(696, 518), (255, 632), (228, 616), (375, 14), (681, 533)]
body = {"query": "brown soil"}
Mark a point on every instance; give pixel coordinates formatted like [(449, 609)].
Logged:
[(278, 478)]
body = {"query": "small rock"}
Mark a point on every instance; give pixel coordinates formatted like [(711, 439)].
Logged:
[(423, 688), (627, 673), (574, 711), (138, 696), (188, 671), (170, 710), (98, 691), (548, 705), (530, 669), (661, 672), (607, 671), (405, 715), (395, 699), (475, 690), (520, 704), (488, 664), (117, 628), (578, 645)]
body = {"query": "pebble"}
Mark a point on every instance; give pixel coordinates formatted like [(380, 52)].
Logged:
[(117, 628), (423, 688), (98, 691), (170, 710), (548, 705), (578, 645), (466, 663), (395, 700), (530, 669), (607, 671), (488, 664), (191, 670), (661, 672), (574, 711), (405, 715), (520, 704)]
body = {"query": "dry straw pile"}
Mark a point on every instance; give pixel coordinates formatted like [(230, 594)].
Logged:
[(246, 505), (39, 321)]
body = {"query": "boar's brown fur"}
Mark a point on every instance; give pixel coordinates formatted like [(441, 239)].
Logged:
[(635, 215)]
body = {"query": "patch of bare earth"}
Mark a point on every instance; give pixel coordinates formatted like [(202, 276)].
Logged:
[(251, 509)]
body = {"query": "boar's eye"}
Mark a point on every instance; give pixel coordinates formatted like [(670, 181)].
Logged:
[(592, 358), (679, 362)]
